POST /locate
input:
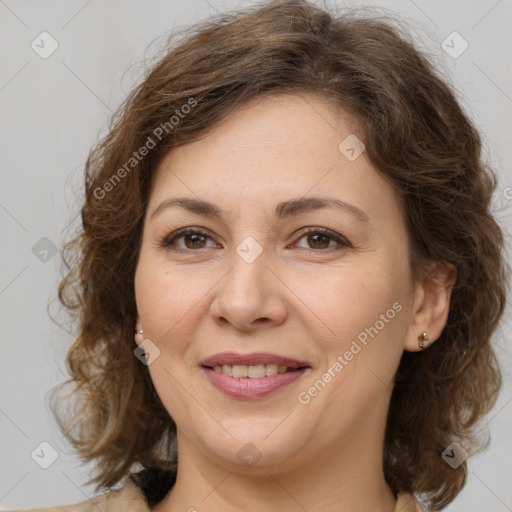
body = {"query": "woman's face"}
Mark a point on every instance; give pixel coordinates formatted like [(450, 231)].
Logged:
[(270, 270)]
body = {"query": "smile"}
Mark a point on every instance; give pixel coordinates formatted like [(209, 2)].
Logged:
[(252, 372), (252, 387)]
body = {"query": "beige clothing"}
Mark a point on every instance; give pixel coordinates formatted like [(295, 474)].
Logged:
[(130, 498)]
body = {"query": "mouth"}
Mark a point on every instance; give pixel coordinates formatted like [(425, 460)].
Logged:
[(253, 366), (252, 376), (257, 371)]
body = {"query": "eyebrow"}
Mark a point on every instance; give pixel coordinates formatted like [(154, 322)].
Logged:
[(281, 211)]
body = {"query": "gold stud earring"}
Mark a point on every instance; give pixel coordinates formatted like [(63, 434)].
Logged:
[(422, 338)]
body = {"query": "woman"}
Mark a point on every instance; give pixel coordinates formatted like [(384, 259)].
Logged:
[(288, 276)]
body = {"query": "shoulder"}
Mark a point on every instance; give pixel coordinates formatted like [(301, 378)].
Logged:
[(406, 502), (129, 498)]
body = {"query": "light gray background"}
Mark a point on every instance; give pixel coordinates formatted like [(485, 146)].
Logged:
[(52, 110)]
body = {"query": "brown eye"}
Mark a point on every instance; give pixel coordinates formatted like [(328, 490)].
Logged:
[(187, 239), (194, 241), (318, 241), (321, 239)]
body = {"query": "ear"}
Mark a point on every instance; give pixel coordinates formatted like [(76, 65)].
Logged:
[(431, 304)]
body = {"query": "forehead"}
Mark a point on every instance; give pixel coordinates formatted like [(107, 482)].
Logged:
[(273, 149)]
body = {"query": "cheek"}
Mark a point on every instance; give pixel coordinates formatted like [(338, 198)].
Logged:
[(166, 301), (348, 300), (367, 321)]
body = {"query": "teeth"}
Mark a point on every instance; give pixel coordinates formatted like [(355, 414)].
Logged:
[(252, 372)]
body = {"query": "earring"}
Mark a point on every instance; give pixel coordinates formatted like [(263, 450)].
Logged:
[(139, 334), (423, 337)]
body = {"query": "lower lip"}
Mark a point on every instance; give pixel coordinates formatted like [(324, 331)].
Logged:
[(244, 387)]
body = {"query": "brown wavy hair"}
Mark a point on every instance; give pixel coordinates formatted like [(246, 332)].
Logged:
[(416, 135)]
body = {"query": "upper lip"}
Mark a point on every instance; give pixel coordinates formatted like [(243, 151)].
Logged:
[(255, 358)]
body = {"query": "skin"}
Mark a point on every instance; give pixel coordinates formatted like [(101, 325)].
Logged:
[(325, 455)]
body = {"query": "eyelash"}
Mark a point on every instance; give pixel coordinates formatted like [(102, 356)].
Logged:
[(167, 243)]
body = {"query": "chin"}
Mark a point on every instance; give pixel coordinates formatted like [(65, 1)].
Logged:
[(270, 447)]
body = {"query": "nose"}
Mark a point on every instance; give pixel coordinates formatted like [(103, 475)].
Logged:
[(249, 296)]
